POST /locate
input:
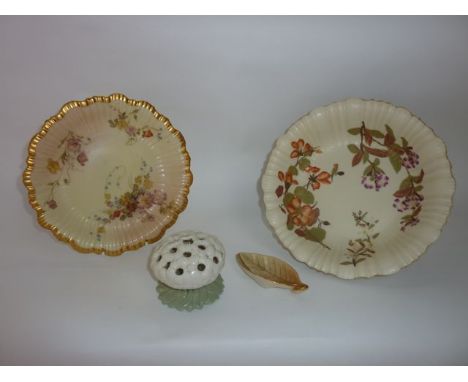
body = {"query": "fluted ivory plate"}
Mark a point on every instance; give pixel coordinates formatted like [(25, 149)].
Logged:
[(358, 188), (108, 174)]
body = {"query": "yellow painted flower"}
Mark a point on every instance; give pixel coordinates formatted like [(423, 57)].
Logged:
[(147, 184), (101, 230), (138, 179), (122, 123), (125, 198), (53, 166)]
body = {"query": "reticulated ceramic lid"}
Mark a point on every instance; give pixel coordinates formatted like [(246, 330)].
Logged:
[(187, 260), (108, 174), (358, 188)]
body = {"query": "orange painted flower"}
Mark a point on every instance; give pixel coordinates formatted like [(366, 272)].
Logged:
[(147, 134), (286, 177), (322, 178), (301, 148), (301, 215), (312, 169)]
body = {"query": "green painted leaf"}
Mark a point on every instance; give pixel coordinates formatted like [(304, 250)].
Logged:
[(374, 236), (406, 183), (354, 130), (404, 142), (395, 160), (190, 299), (315, 234), (418, 188), (366, 157), (346, 263), (376, 133), (353, 148), (367, 170), (304, 163), (305, 195), (290, 224), (292, 170), (287, 198), (389, 130)]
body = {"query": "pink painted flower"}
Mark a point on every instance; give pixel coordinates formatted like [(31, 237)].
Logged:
[(146, 200), (159, 197), (131, 131), (74, 144), (52, 204), (410, 159), (375, 180), (82, 158)]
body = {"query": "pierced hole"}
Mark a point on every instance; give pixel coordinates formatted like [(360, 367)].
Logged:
[(173, 250), (159, 258), (187, 241), (179, 271), (202, 247), (201, 267), (187, 254), (215, 259), (168, 264)]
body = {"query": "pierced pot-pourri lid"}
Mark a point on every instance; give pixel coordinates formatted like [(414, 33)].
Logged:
[(108, 174), (358, 188)]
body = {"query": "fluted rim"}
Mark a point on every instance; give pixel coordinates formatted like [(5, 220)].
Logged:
[(441, 222), (30, 165)]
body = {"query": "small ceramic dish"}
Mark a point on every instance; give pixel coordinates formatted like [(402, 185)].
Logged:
[(358, 188), (108, 174)]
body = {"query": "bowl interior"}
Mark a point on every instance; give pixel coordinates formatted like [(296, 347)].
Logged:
[(111, 175), (358, 188)]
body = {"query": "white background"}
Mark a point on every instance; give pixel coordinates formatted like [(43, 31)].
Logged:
[(231, 86)]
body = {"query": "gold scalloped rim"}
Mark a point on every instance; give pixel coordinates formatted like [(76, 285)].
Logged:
[(30, 162), (444, 223)]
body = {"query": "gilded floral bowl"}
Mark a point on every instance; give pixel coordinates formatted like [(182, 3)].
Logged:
[(358, 188), (108, 174)]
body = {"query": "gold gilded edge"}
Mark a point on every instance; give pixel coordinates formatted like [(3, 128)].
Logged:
[(30, 162)]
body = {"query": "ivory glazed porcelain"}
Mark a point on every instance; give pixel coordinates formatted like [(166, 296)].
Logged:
[(108, 174), (358, 188)]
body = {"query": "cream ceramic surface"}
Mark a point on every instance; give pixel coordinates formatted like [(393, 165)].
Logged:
[(187, 260), (358, 188), (108, 174)]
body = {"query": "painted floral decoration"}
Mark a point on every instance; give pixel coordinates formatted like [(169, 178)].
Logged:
[(73, 156), (137, 202), (127, 122), (362, 248), (374, 145), (298, 201)]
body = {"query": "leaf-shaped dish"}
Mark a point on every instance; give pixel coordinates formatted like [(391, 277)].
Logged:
[(269, 271), (108, 174), (358, 188)]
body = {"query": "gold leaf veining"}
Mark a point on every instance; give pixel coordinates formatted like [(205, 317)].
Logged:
[(269, 271)]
